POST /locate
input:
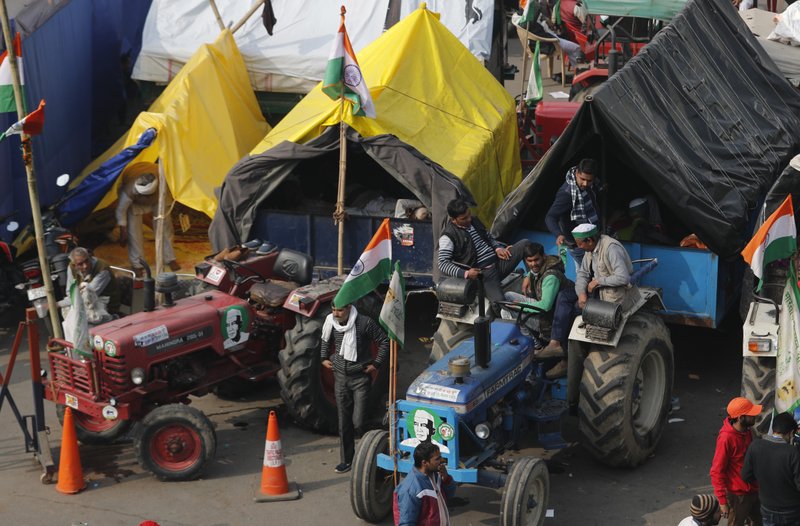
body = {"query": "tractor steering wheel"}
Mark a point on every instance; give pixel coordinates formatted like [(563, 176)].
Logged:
[(235, 266), (524, 310)]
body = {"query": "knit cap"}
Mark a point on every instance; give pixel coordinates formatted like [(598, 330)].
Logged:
[(703, 507)]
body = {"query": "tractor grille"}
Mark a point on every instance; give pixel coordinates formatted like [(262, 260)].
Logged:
[(73, 375), (115, 378)]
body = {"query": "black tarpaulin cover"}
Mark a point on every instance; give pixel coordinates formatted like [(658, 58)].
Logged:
[(701, 117), (254, 178)]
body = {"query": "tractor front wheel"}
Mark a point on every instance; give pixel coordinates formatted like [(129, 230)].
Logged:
[(371, 487), (524, 501), (175, 442), (94, 431), (625, 393)]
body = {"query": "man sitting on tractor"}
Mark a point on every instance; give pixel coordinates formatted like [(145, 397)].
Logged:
[(95, 274), (544, 281), (605, 272), (467, 250), (421, 498)]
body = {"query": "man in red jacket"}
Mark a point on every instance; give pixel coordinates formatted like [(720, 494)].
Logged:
[(738, 500)]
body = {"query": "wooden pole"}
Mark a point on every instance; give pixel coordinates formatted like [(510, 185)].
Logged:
[(524, 64), (216, 15), (246, 16), (338, 214), (159, 220), (392, 404), (33, 192)]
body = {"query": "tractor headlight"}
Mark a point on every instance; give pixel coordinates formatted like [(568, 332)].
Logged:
[(137, 376), (483, 431)]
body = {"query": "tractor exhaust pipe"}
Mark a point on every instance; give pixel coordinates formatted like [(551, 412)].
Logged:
[(149, 288), (482, 326)]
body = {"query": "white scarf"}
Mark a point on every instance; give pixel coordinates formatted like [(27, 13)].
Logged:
[(348, 351)]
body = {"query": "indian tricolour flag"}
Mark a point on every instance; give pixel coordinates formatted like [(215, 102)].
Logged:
[(776, 239), (7, 103), (374, 266), (528, 12), (343, 76)]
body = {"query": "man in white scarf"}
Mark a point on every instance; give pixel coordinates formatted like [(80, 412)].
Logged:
[(351, 336)]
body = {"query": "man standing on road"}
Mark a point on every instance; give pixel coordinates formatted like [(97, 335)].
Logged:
[(351, 335), (576, 202), (775, 464), (738, 499), (705, 512), (421, 498), (467, 249)]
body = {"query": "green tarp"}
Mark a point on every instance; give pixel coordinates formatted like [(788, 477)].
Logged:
[(660, 9)]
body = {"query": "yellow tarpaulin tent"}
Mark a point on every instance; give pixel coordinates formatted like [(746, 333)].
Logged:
[(434, 95), (207, 118)]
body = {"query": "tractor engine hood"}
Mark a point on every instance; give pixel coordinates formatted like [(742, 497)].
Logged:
[(189, 321), (511, 362)]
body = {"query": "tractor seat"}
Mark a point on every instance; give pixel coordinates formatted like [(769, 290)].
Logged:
[(272, 293)]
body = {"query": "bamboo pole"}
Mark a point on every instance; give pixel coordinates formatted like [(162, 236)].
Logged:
[(33, 192), (524, 64), (246, 16), (338, 214), (393, 404), (216, 15), (161, 217)]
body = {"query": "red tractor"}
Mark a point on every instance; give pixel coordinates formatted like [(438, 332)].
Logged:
[(257, 317)]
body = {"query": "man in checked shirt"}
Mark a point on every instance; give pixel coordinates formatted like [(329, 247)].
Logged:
[(351, 335)]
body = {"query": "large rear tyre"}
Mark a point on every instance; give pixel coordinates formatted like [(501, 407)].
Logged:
[(94, 431), (371, 487), (524, 501), (625, 393), (758, 386), (175, 442), (447, 336)]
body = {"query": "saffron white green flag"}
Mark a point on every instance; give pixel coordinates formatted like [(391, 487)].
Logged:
[(534, 92), (393, 312), (370, 270), (528, 12), (776, 239), (7, 103), (343, 76)]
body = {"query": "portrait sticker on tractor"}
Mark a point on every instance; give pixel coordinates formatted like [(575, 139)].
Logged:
[(405, 235), (424, 426), (235, 323)]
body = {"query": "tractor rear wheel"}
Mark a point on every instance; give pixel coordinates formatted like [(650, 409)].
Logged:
[(371, 487), (758, 386), (524, 501), (625, 393), (447, 336), (175, 442), (94, 431), (307, 388)]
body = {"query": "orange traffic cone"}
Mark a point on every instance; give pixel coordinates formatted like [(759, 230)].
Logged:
[(70, 472), (274, 484)]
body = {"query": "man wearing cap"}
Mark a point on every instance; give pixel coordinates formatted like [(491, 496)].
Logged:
[(705, 511), (351, 336), (775, 463), (467, 250), (576, 202), (138, 195), (738, 499)]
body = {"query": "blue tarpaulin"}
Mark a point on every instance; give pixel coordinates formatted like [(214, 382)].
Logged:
[(83, 198)]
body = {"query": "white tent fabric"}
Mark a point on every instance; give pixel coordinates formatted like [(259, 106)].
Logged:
[(293, 59)]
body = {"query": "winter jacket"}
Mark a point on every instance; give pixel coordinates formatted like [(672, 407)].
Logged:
[(415, 502), (726, 467)]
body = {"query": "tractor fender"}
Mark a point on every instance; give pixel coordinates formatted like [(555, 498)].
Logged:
[(306, 300)]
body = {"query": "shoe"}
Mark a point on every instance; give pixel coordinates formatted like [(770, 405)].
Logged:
[(553, 350), (174, 266), (558, 371), (344, 467), (537, 345)]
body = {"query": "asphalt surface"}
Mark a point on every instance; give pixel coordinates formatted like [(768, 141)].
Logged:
[(582, 491)]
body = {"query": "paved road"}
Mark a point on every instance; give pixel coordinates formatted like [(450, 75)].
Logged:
[(119, 492)]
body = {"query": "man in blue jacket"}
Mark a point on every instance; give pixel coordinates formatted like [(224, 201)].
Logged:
[(421, 498)]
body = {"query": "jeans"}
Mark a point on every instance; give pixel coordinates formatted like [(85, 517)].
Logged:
[(566, 310), (743, 507), (492, 276), (577, 257), (780, 518), (351, 404)]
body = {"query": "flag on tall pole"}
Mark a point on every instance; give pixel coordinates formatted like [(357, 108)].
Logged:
[(776, 239), (393, 312), (31, 124), (343, 76), (534, 92), (7, 103), (528, 12), (370, 270)]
